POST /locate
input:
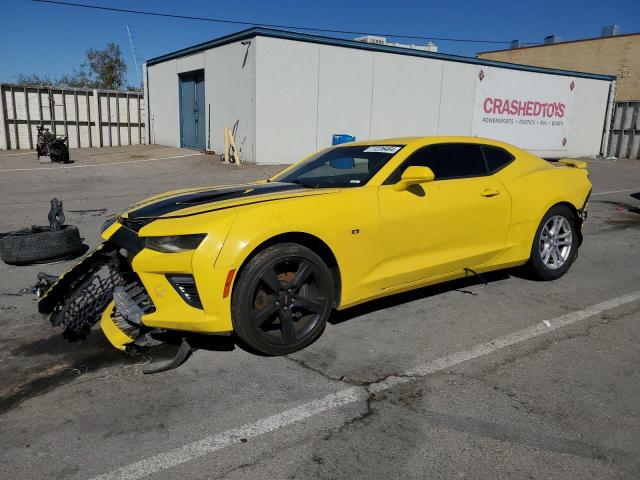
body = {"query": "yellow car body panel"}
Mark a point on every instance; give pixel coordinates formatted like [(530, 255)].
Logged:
[(384, 241), (116, 337)]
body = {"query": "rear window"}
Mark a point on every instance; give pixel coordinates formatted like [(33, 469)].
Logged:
[(497, 158)]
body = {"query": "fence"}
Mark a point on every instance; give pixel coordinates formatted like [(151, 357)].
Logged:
[(88, 118), (625, 131)]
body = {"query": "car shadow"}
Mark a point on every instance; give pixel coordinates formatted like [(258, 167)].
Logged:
[(217, 343), (460, 285)]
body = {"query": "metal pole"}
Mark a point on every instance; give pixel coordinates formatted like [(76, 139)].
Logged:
[(29, 133), (98, 122), (139, 122), (4, 125), (118, 118), (634, 123), (75, 104), (619, 153), (109, 118), (64, 115), (40, 106), (15, 120), (86, 93), (52, 112), (128, 120), (133, 52)]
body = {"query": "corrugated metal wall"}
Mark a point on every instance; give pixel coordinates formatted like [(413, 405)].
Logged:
[(88, 118), (625, 131)]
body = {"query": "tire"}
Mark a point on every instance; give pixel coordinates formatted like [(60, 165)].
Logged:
[(37, 244), (64, 153), (282, 299), (555, 245)]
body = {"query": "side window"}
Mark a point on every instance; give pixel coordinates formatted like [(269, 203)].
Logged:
[(496, 157), (447, 160)]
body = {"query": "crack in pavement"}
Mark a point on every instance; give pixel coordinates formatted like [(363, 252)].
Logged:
[(479, 377)]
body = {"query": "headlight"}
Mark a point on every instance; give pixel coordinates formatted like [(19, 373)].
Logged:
[(108, 223), (174, 243)]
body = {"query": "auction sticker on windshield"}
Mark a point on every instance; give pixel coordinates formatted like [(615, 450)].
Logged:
[(382, 149)]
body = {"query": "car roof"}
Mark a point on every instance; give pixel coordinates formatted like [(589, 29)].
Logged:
[(428, 140)]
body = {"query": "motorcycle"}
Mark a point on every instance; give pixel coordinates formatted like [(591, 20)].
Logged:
[(50, 145)]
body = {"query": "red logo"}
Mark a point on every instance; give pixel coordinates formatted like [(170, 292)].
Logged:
[(481, 75)]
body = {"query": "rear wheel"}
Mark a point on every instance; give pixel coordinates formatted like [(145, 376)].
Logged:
[(555, 245), (282, 299)]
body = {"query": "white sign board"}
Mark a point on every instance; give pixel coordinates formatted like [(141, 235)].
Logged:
[(529, 110)]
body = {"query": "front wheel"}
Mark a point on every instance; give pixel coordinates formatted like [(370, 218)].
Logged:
[(282, 299), (555, 245)]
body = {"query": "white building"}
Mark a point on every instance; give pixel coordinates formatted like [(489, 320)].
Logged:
[(290, 92), (378, 40)]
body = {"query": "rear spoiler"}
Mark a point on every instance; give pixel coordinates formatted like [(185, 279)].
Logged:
[(570, 162)]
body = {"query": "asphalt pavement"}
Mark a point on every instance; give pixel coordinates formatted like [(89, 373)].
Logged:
[(512, 379)]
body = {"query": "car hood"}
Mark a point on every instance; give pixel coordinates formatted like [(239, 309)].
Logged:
[(189, 202)]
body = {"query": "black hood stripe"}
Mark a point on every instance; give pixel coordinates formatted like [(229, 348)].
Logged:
[(187, 200)]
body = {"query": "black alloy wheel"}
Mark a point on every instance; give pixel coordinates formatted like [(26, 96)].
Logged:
[(282, 299)]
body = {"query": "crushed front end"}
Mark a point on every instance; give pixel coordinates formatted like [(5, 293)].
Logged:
[(101, 287), (137, 287)]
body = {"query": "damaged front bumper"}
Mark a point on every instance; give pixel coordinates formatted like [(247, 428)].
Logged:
[(135, 292), (101, 287)]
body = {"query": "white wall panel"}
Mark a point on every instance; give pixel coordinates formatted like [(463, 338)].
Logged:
[(286, 100), (164, 109), (456, 98), (344, 93), (229, 90), (190, 63), (406, 96), (588, 119)]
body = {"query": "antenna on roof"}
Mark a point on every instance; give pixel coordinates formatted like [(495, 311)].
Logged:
[(133, 52)]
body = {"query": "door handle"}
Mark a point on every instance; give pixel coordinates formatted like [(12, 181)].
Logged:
[(490, 192)]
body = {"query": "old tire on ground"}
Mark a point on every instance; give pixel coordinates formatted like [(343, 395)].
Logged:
[(37, 244), (555, 245), (282, 299)]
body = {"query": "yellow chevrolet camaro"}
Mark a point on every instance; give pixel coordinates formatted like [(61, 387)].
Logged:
[(270, 260)]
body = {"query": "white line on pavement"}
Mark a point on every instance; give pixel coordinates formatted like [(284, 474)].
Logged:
[(213, 443), (100, 164), (616, 191), (16, 154)]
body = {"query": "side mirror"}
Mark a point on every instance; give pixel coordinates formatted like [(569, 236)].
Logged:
[(414, 176)]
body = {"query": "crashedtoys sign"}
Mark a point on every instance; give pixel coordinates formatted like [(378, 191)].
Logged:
[(530, 110)]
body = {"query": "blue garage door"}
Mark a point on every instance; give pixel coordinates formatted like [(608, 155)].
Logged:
[(192, 110)]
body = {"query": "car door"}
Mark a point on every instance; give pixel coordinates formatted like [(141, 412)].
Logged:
[(460, 220)]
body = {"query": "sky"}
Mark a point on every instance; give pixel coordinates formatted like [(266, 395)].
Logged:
[(47, 39)]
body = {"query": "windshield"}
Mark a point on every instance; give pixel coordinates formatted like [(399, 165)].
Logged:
[(351, 166)]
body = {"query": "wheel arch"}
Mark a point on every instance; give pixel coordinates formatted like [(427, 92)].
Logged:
[(313, 243), (574, 210), (576, 214)]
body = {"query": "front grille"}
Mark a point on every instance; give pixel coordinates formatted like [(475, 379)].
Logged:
[(134, 224), (138, 297), (185, 285)]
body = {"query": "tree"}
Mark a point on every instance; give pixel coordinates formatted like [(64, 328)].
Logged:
[(34, 79), (101, 69), (107, 68)]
